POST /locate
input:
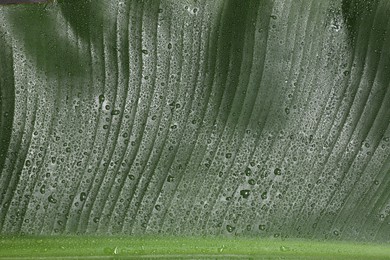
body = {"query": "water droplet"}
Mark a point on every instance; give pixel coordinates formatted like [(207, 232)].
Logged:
[(248, 171), (42, 190), (230, 229), (228, 155), (28, 163), (51, 199), (264, 195), (262, 227), (251, 182), (245, 193), (157, 207), (170, 178), (115, 112), (284, 248), (220, 250), (336, 26), (169, 45), (346, 73), (277, 171), (83, 196), (96, 219), (101, 98), (274, 17), (145, 51), (287, 110)]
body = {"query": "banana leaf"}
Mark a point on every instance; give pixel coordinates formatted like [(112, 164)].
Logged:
[(195, 128)]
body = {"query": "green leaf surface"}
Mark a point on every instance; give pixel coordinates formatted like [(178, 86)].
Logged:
[(149, 247), (252, 119)]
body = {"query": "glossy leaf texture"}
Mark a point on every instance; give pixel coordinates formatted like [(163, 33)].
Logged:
[(251, 118)]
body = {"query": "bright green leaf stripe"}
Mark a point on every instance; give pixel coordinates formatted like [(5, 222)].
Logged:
[(209, 247)]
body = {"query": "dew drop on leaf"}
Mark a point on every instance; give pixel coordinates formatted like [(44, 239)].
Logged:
[(83, 196), (28, 163), (245, 193), (262, 227), (42, 190), (101, 98), (51, 199), (115, 112), (277, 171), (230, 228)]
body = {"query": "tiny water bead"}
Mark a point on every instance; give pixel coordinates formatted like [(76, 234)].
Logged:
[(230, 228), (51, 199), (262, 227), (170, 178), (245, 193), (277, 171), (42, 190), (83, 196), (284, 248), (248, 171), (101, 98), (115, 112)]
